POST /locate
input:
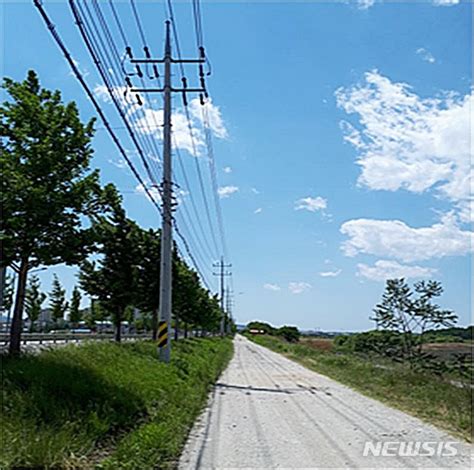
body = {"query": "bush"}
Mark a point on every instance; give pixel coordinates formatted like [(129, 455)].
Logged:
[(258, 325), (385, 343), (290, 333)]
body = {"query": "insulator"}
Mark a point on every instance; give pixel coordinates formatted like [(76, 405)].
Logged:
[(185, 82), (185, 99), (139, 71), (202, 52), (139, 100), (155, 71), (128, 50), (147, 52), (201, 99), (128, 82)]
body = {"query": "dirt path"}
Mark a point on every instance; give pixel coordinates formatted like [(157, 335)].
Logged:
[(269, 412)]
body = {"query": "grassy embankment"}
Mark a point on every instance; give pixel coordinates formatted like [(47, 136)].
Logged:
[(423, 395), (105, 405)]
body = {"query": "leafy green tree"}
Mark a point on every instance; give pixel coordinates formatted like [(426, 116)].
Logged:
[(187, 296), (148, 275), (57, 301), (34, 299), (402, 312), (112, 279), (95, 313), (290, 333), (75, 314), (46, 185), (258, 325)]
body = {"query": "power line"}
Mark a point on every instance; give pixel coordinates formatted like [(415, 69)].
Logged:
[(96, 57), (51, 27), (147, 54), (189, 124), (91, 96)]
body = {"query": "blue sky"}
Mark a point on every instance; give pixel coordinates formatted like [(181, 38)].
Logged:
[(341, 138)]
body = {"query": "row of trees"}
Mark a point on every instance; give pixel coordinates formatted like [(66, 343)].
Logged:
[(35, 298), (54, 211)]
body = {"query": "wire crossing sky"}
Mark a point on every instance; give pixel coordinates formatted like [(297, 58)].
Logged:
[(334, 150)]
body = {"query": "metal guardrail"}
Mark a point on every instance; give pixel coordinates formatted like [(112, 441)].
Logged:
[(68, 337), (40, 338)]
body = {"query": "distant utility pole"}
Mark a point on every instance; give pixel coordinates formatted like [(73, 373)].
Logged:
[(222, 274), (164, 329)]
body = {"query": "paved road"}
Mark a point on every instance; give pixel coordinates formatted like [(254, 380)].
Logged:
[(269, 412)]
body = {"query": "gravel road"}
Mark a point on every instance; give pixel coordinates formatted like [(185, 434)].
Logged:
[(269, 412)]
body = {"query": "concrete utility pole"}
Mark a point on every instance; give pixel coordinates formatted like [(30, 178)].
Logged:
[(164, 326), (222, 274), (167, 229)]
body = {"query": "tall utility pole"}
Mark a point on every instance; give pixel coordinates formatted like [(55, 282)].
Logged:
[(222, 274), (167, 228), (164, 326)]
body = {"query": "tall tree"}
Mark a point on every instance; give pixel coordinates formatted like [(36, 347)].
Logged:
[(95, 313), (148, 275), (402, 312), (75, 315), (57, 301), (34, 299), (46, 185), (112, 279)]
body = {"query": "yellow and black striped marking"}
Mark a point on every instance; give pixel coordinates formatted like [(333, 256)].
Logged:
[(162, 334)]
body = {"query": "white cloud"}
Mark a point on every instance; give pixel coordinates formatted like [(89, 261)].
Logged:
[(395, 239), (227, 169), (187, 135), (427, 56), (273, 287), (445, 3), (330, 273), (311, 204), (211, 113), (119, 163), (226, 191), (383, 269), (298, 287), (407, 142), (258, 211), (255, 191), (365, 4), (139, 189)]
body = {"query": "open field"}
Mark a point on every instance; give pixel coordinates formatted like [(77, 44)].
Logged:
[(105, 405), (447, 351), (423, 395)]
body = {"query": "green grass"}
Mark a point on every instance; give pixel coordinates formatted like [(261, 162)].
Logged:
[(103, 405), (422, 395)]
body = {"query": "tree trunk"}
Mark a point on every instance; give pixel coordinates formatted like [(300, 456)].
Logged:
[(176, 327), (16, 326), (154, 324), (185, 330)]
